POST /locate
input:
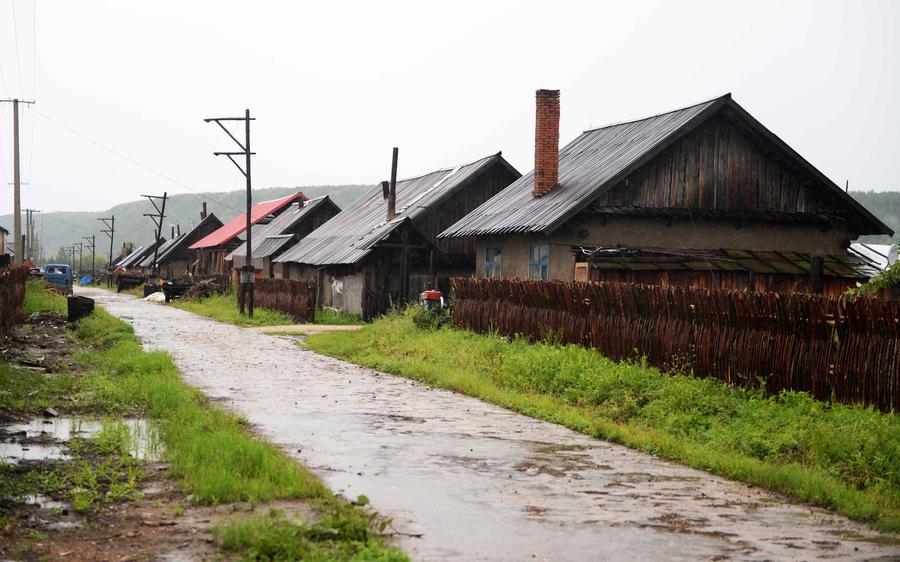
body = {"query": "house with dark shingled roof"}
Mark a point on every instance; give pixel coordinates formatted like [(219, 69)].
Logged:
[(704, 196), (364, 259)]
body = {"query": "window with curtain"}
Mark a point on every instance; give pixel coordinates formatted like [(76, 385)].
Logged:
[(539, 261), (493, 262)]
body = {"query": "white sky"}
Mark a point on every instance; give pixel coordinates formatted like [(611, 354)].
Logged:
[(335, 85)]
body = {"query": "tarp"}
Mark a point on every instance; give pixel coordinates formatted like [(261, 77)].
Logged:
[(238, 224), (85, 281)]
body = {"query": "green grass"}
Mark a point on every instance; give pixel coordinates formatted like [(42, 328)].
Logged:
[(210, 451), (224, 309), (37, 299), (334, 317), (843, 457), (344, 533)]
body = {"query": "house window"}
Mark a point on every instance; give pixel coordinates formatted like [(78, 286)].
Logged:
[(493, 262), (539, 261)]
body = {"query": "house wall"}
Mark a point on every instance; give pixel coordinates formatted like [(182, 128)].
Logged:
[(631, 232), (720, 167)]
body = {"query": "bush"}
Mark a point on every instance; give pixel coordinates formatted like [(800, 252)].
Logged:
[(429, 318)]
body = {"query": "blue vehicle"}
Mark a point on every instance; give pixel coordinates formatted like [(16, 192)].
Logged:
[(59, 275)]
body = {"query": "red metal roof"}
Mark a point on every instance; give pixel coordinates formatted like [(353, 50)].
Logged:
[(238, 224)]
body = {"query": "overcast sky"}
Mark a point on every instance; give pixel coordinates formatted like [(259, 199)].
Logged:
[(335, 85)]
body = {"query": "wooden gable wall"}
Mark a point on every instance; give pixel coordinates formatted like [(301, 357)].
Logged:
[(719, 167)]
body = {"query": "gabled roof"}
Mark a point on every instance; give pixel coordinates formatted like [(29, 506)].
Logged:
[(135, 257), (3, 230), (179, 241), (238, 224), (281, 226), (598, 159), (354, 232)]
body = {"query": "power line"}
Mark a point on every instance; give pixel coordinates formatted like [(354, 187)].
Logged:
[(3, 81), (133, 161), (18, 58), (34, 48)]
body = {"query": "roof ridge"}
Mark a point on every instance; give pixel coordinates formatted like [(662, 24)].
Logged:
[(717, 98), (451, 168)]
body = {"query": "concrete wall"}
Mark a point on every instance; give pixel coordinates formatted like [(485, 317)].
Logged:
[(630, 232)]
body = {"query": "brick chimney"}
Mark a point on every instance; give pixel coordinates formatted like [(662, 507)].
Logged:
[(546, 142)]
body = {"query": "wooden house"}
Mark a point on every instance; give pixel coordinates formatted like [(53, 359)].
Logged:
[(293, 224), (703, 195), (210, 252), (173, 259), (365, 259)]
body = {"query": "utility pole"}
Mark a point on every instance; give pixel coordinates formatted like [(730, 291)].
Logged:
[(17, 181), (92, 246), (80, 246), (30, 250), (248, 273), (158, 217), (110, 230)]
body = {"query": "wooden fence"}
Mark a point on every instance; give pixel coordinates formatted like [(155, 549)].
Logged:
[(848, 349), (12, 295), (291, 296)]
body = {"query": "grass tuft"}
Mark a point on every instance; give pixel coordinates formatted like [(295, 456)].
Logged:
[(335, 317), (842, 457), (224, 308)]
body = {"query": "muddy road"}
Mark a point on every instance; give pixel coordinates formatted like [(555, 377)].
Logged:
[(465, 480)]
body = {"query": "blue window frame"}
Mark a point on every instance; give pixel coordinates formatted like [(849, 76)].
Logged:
[(493, 262), (539, 261)]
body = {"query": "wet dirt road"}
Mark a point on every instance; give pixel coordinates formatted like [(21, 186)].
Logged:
[(465, 480)]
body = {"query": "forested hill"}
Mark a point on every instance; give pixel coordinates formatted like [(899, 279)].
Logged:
[(63, 228), (886, 206)]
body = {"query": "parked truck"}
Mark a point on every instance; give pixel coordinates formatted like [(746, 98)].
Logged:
[(59, 275)]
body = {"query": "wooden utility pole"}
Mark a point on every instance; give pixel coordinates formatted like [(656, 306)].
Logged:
[(158, 217), (17, 183), (248, 273), (92, 246), (110, 230)]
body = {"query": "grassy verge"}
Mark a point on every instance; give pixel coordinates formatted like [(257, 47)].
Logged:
[(333, 317), (209, 450), (224, 309), (843, 457)]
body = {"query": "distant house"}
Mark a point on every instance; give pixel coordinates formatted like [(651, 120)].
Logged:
[(704, 195), (293, 224), (6, 255), (131, 263), (210, 252), (364, 259), (174, 258)]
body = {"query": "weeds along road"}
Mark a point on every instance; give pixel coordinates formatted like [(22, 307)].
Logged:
[(465, 480)]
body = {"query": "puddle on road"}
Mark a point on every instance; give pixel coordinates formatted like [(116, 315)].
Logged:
[(45, 439), (14, 452)]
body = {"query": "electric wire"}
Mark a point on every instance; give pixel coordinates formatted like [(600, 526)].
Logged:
[(132, 160), (16, 36)]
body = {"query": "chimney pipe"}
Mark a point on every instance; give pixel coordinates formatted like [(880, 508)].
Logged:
[(203, 212), (546, 142), (173, 231), (392, 192), (178, 229)]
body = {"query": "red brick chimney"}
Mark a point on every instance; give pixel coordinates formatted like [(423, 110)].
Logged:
[(546, 142)]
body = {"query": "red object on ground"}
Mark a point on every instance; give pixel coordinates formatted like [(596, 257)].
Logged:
[(238, 224), (432, 295)]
